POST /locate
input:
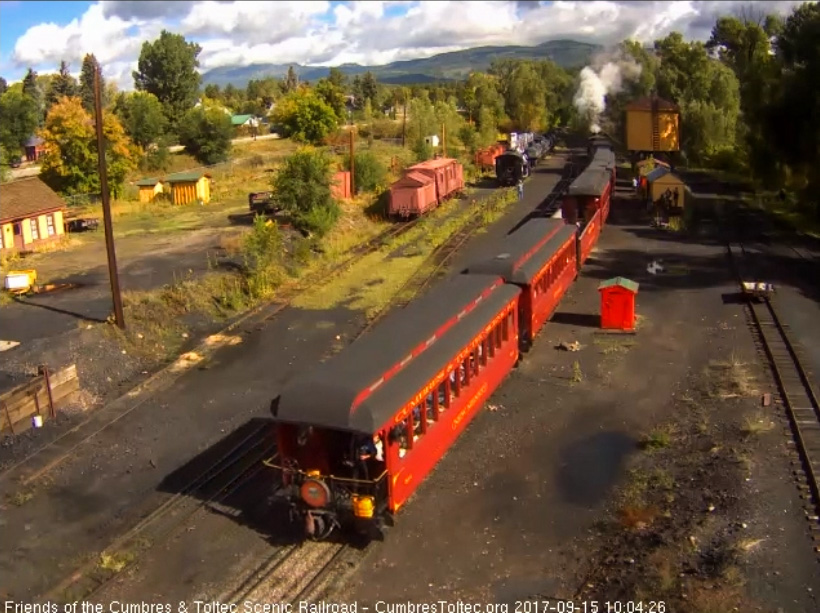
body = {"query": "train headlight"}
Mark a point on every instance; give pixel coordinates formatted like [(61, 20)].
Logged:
[(315, 493)]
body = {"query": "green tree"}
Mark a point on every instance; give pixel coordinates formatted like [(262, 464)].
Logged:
[(70, 162), (142, 117), (337, 79), (333, 96), (89, 67), (305, 117), (3, 86), (291, 81), (301, 187), (63, 85), (206, 135), (213, 92), (167, 68), (487, 128), (19, 118), (34, 90)]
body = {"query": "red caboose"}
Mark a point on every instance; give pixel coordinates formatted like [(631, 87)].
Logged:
[(540, 258), (412, 195), (358, 434)]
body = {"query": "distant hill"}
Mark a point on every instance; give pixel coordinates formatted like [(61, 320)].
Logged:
[(441, 67)]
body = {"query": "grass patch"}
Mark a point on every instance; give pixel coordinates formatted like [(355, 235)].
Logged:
[(577, 375), (756, 424), (20, 497), (729, 378), (659, 438), (613, 344), (114, 563), (640, 499), (372, 282)]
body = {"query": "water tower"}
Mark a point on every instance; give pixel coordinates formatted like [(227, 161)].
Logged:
[(652, 126)]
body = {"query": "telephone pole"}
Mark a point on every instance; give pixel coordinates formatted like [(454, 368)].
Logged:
[(352, 163), (404, 126), (113, 275), (443, 140)]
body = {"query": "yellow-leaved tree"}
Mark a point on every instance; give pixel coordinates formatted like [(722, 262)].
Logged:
[(70, 161)]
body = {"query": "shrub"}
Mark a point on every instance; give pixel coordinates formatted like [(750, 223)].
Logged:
[(301, 187), (369, 172), (206, 135)]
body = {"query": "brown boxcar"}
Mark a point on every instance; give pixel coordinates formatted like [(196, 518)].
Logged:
[(413, 194), (447, 173)]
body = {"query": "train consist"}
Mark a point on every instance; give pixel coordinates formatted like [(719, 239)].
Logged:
[(357, 435)]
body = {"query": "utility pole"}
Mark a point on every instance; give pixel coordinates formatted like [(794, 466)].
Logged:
[(444, 140), (352, 163), (404, 125), (113, 275)]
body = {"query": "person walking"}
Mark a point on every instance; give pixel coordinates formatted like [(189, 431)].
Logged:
[(520, 189)]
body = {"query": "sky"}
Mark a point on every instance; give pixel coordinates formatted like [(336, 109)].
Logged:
[(41, 34)]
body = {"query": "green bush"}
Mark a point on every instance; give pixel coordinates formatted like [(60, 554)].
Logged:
[(301, 188), (262, 249), (369, 174), (423, 150), (206, 135)]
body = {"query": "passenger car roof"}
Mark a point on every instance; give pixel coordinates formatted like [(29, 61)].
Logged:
[(362, 387), (519, 256)]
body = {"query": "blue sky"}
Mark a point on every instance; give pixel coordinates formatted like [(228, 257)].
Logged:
[(327, 33)]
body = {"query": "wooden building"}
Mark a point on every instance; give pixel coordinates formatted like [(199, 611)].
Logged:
[(652, 124), (149, 189), (187, 187), (35, 148), (31, 215), (661, 180)]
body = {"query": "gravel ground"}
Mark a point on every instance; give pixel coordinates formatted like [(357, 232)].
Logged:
[(526, 502)]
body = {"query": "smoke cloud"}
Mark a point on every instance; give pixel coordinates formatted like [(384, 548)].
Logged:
[(607, 76)]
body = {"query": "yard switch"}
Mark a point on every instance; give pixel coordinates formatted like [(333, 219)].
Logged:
[(618, 304)]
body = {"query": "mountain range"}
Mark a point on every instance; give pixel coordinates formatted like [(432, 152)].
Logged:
[(442, 67)]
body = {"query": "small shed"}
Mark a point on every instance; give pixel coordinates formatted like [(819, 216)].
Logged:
[(662, 180), (187, 187), (149, 189), (618, 304), (35, 148)]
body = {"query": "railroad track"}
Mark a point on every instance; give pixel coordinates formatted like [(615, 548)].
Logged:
[(306, 572), (234, 470), (796, 393), (430, 269)]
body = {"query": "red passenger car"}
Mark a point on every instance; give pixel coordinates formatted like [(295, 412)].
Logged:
[(358, 434), (539, 257), (588, 237), (412, 195), (588, 193)]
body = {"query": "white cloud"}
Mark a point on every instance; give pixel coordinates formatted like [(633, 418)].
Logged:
[(314, 32)]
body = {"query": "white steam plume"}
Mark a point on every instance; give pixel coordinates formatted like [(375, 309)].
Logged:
[(590, 99)]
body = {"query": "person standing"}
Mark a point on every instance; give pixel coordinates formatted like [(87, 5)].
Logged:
[(520, 189)]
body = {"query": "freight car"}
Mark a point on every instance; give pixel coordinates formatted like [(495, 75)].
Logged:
[(425, 186), (510, 168), (357, 435)]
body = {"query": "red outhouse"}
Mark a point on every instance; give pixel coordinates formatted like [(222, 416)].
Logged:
[(618, 304)]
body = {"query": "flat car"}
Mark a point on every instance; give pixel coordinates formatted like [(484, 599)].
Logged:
[(540, 258), (359, 433)]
